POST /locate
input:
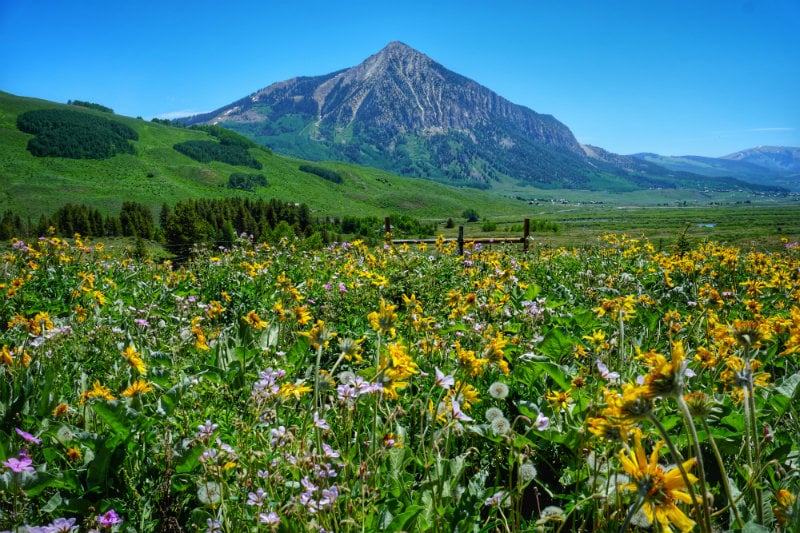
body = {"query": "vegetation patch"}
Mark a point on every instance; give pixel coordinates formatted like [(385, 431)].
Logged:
[(324, 173), (246, 182), (208, 151), (90, 105), (75, 135)]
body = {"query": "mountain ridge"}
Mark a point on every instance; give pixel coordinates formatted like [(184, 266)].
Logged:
[(776, 166), (401, 111)]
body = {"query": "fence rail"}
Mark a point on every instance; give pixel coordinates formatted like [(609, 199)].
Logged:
[(526, 232)]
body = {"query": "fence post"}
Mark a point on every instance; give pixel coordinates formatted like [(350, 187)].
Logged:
[(461, 240), (387, 229), (526, 232)]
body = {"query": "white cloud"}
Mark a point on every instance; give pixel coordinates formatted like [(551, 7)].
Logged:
[(180, 114)]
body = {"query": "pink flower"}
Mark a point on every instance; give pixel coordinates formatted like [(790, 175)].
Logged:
[(27, 437), (109, 518), (19, 465)]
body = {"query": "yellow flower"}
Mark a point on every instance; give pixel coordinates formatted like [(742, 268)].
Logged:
[(558, 399), (138, 387), (607, 429), (319, 335), (303, 315), (135, 360), (214, 309), (465, 394), (98, 391), (665, 377), (60, 410), (784, 506), (255, 321), (74, 455), (384, 320), (294, 390), (661, 489), (474, 365), (351, 349)]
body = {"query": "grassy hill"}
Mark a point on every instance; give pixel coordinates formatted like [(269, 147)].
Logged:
[(157, 174)]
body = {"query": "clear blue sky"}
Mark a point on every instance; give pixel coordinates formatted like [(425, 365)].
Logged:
[(675, 77)]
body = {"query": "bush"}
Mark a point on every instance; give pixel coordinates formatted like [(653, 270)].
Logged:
[(246, 182), (324, 173), (471, 215), (208, 151)]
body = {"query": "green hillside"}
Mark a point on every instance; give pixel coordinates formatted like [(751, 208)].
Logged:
[(157, 173)]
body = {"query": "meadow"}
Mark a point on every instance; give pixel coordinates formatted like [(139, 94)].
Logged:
[(262, 387)]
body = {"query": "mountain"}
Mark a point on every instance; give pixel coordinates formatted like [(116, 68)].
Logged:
[(777, 158), (765, 165), (401, 111)]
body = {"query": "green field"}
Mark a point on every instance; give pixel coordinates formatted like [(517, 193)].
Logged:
[(158, 174)]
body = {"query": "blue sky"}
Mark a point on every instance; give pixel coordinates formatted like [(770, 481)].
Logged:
[(700, 77)]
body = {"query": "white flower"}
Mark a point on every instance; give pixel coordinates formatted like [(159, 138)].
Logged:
[(493, 412), (498, 390), (527, 472), (501, 425)]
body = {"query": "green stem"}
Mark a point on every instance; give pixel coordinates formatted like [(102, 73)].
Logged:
[(725, 483), (699, 457), (632, 511), (754, 455)]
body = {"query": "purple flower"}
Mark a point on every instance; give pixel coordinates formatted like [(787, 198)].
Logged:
[(342, 287), (204, 431), (63, 525), (444, 381), (257, 498), (495, 499), (320, 423), (109, 518), (604, 372), (27, 437), (270, 518), (458, 414), (19, 465), (542, 422)]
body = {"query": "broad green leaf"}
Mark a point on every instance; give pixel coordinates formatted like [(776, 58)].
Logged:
[(189, 459), (790, 386), (117, 416)]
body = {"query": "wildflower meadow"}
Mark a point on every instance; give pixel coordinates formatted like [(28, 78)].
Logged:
[(269, 387)]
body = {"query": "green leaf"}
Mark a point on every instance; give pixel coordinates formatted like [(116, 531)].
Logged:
[(116, 416), (556, 343), (790, 386), (189, 460), (752, 527), (534, 366), (52, 504), (401, 521)]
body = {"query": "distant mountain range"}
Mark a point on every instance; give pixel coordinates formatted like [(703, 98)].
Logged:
[(766, 165), (401, 111)]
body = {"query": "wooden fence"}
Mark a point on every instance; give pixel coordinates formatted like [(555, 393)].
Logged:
[(526, 232)]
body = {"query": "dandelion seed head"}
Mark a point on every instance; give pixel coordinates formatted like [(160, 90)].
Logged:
[(493, 413), (498, 390), (527, 472), (501, 425)]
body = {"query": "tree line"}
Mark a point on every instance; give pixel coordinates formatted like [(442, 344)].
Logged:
[(209, 221), (134, 220)]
